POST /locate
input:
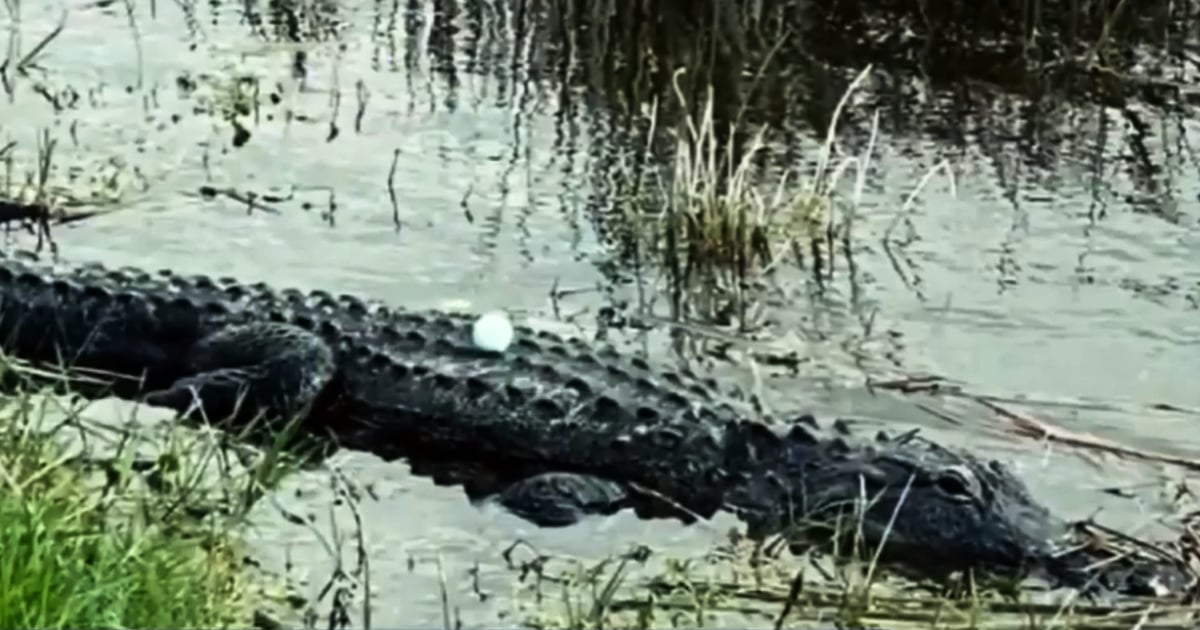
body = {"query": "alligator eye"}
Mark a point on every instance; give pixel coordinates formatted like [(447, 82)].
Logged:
[(958, 483)]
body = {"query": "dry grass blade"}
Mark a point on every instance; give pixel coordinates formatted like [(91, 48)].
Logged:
[(30, 58), (1043, 430), (728, 589)]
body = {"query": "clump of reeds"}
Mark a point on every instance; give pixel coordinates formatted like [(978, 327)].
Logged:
[(716, 227)]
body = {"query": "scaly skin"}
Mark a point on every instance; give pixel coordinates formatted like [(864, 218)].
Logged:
[(553, 428)]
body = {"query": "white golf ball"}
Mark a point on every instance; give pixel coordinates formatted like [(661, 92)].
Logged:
[(492, 331)]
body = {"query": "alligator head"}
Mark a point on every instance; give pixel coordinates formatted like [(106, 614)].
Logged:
[(926, 508)]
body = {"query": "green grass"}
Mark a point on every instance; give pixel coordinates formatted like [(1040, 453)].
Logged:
[(64, 567), (117, 526)]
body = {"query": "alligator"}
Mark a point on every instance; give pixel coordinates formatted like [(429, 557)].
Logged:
[(554, 428)]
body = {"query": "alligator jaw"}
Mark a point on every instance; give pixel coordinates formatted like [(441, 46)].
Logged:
[(1139, 570)]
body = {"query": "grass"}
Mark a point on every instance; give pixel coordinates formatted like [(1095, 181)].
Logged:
[(716, 226), (63, 567), (733, 587), (121, 526)]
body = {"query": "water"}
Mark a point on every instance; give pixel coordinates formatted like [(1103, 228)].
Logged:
[(1076, 284)]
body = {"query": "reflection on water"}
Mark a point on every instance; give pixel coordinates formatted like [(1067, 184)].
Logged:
[(1064, 267)]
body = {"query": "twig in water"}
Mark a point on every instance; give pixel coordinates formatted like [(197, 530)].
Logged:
[(137, 41), (444, 591), (363, 571), (792, 597), (464, 204), (391, 187), (1040, 429), (336, 104), (30, 58), (251, 199), (363, 95)]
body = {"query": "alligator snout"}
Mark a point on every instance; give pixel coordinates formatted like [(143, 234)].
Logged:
[(930, 511), (1141, 570)]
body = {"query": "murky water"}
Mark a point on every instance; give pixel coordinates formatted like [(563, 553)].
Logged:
[(1079, 284)]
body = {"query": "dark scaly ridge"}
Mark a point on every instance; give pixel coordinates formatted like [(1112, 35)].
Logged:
[(377, 321)]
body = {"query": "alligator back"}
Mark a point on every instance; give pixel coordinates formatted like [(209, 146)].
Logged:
[(549, 404), (406, 379)]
